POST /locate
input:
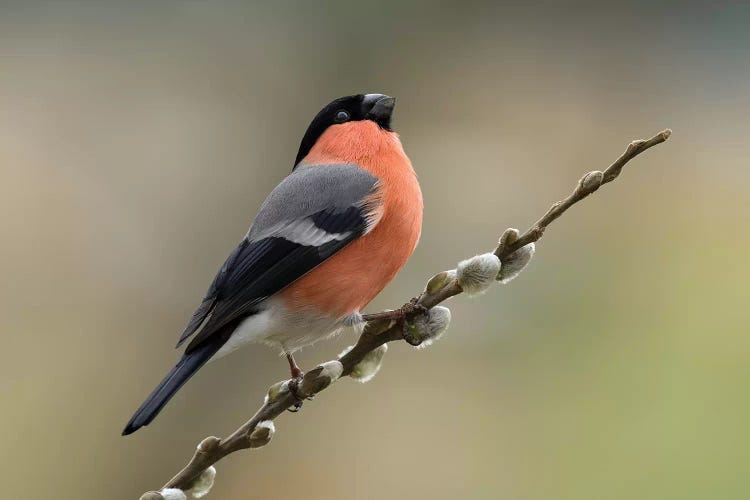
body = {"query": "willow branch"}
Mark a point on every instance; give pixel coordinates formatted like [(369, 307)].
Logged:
[(381, 328)]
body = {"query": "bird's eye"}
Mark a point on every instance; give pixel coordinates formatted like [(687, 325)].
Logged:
[(342, 116)]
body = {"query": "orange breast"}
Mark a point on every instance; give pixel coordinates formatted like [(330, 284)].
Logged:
[(350, 279)]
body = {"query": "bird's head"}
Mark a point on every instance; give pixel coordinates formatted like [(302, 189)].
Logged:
[(353, 119)]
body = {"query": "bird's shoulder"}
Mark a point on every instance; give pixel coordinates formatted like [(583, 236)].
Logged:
[(310, 190)]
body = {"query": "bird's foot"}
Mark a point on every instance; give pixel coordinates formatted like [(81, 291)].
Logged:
[(398, 314), (407, 310), (411, 307), (294, 389), (402, 316), (294, 384)]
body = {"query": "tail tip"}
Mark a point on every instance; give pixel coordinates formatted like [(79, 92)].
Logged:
[(130, 428)]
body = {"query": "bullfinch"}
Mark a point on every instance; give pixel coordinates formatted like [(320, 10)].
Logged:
[(325, 242)]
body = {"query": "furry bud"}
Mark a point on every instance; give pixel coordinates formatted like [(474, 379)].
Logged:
[(366, 369), (320, 377), (209, 444), (476, 275), (438, 320), (276, 390), (262, 434), (203, 483), (592, 181), (439, 281), (509, 237), (426, 329), (515, 263), (172, 494), (152, 495)]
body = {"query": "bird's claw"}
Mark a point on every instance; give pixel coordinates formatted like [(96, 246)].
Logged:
[(294, 391), (411, 307)]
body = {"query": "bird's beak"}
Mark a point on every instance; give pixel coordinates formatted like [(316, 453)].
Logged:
[(379, 108)]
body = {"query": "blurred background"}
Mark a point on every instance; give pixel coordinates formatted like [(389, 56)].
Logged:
[(138, 139)]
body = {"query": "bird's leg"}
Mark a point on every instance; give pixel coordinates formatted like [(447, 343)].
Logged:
[(293, 367), (297, 375)]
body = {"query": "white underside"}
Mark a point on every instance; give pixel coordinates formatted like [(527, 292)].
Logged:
[(277, 327)]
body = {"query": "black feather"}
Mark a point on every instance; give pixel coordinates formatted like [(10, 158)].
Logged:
[(175, 379), (339, 221), (209, 301), (271, 265)]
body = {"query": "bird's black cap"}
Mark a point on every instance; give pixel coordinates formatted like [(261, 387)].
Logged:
[(375, 107)]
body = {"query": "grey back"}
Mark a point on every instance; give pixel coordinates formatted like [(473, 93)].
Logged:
[(311, 189)]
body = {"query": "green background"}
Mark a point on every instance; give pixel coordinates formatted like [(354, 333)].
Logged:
[(137, 140)]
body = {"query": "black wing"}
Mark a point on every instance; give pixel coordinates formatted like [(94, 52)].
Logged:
[(276, 256)]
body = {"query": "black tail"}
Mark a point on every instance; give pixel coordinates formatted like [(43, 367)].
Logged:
[(188, 365)]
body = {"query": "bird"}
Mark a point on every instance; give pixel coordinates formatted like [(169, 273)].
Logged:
[(325, 242)]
